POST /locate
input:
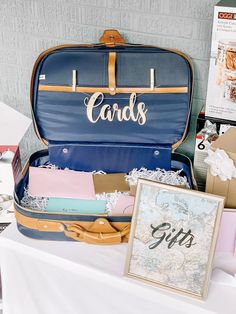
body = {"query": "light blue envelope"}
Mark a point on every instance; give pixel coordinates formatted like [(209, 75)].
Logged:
[(67, 205)]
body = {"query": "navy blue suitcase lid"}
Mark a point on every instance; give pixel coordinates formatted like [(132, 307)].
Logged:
[(112, 93)]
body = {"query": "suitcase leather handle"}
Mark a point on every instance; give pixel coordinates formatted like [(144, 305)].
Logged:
[(111, 37), (98, 232), (77, 233)]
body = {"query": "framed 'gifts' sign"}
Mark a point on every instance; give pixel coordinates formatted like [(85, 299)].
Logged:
[(173, 237)]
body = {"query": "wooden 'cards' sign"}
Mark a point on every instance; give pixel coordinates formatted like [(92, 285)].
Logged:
[(173, 237)]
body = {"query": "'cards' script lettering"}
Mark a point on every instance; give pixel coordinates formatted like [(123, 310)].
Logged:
[(172, 237), (132, 111)]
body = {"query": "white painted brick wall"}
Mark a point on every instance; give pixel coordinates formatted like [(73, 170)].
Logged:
[(27, 27)]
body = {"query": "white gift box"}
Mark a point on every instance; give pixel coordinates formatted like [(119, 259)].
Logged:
[(13, 126)]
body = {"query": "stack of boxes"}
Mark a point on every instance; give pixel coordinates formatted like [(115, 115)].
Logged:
[(216, 127)]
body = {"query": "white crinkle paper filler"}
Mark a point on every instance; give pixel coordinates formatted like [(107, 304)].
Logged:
[(159, 175), (50, 166), (33, 202), (221, 164), (111, 199), (40, 203)]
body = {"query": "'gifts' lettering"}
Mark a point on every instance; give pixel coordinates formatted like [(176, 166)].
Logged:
[(132, 111), (172, 237)]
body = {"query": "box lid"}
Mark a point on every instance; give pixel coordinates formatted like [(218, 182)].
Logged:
[(227, 141)]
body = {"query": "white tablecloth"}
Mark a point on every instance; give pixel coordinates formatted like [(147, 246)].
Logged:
[(45, 277)]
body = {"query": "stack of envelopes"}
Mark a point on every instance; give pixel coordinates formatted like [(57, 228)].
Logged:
[(76, 192)]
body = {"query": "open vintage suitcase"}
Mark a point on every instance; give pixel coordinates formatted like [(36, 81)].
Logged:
[(110, 106)]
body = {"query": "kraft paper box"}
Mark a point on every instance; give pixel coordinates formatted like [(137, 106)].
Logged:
[(109, 183), (221, 92), (202, 145), (214, 185)]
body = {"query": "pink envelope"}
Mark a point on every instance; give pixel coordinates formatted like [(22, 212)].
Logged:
[(124, 205), (46, 182)]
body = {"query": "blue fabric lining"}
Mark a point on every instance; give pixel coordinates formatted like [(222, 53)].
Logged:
[(61, 116)]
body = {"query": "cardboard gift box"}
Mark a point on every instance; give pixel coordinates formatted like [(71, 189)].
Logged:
[(203, 142), (214, 184)]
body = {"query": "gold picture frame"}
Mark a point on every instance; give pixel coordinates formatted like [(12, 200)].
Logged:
[(173, 238)]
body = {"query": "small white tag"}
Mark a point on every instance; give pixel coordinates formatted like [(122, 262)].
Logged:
[(42, 77)]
